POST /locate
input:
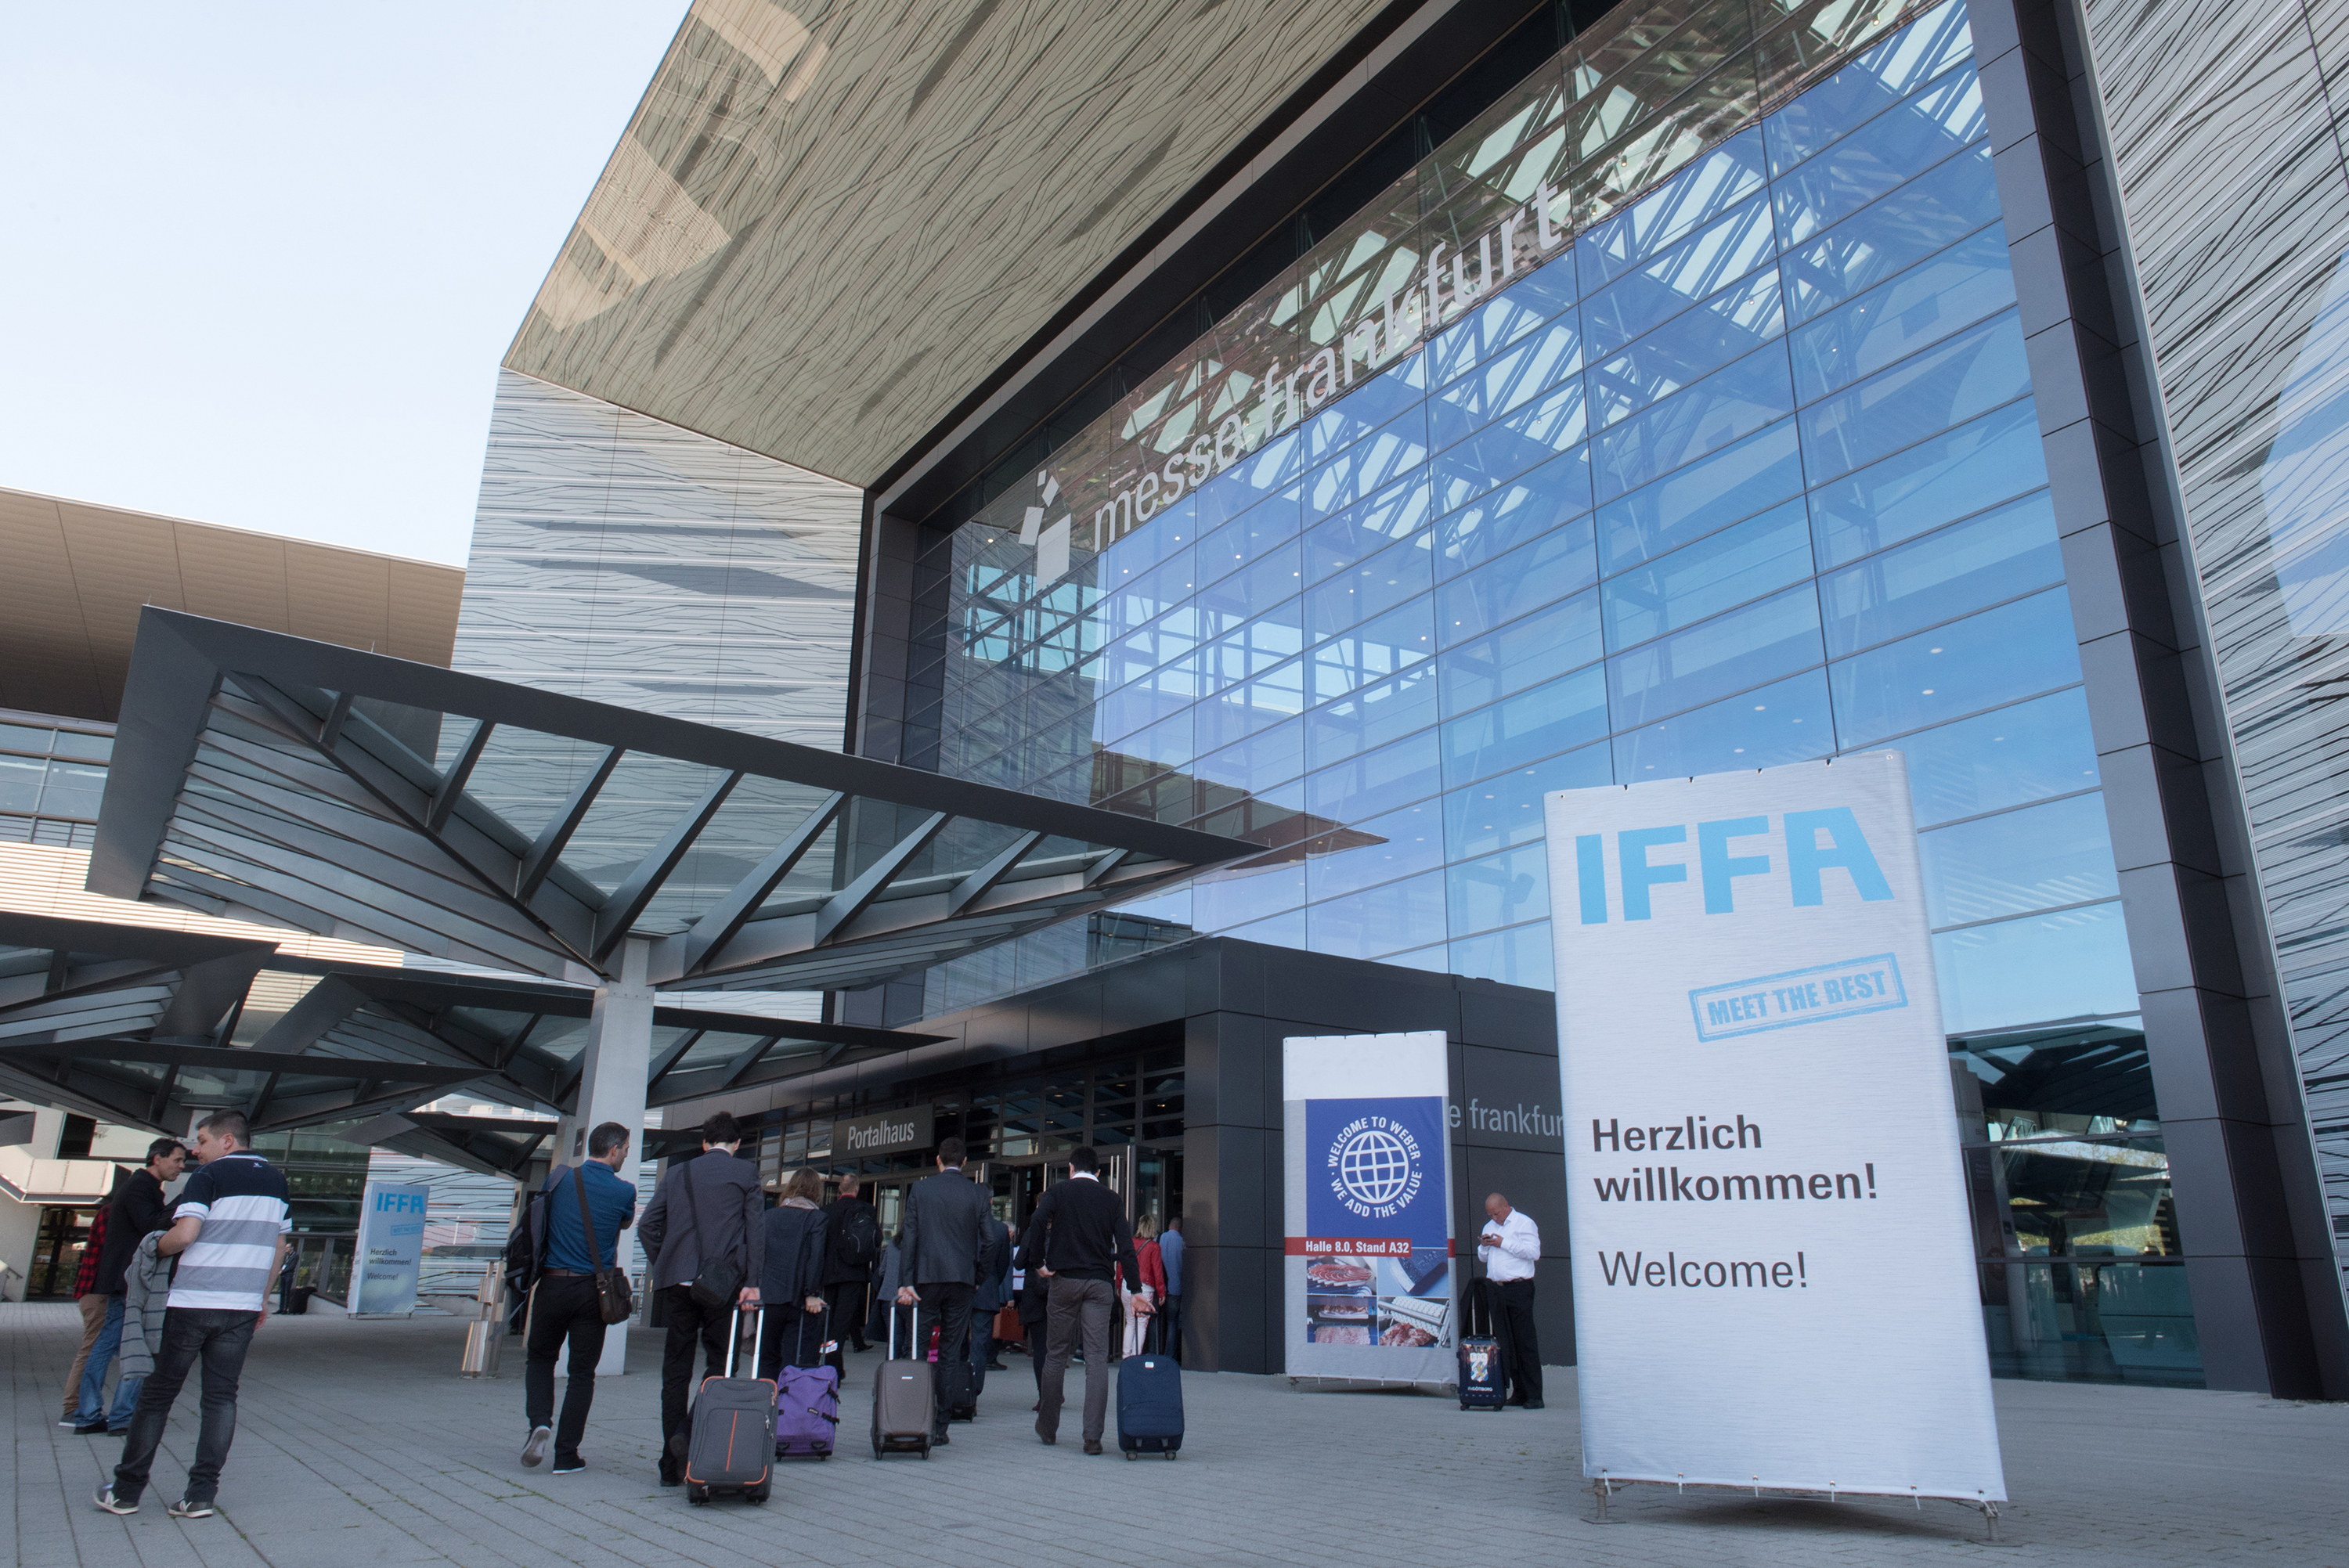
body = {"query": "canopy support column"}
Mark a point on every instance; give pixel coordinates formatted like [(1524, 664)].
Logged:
[(612, 1073)]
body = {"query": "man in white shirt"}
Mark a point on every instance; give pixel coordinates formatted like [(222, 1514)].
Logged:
[(1509, 1248)]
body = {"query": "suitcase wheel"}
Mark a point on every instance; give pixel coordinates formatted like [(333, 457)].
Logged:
[(1132, 1455), (697, 1495), (759, 1493)]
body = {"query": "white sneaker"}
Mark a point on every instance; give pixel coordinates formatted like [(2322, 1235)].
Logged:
[(533, 1452), (109, 1502)]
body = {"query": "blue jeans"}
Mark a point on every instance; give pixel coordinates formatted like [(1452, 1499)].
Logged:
[(218, 1339), (93, 1376)]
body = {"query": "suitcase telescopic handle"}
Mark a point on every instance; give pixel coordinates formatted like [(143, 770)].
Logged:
[(734, 1336)]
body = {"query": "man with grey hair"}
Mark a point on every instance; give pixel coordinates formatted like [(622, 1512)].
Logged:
[(228, 1231)]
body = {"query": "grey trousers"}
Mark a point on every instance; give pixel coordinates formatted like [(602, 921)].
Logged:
[(1077, 1304)]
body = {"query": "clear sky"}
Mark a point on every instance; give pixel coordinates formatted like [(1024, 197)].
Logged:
[(259, 261)]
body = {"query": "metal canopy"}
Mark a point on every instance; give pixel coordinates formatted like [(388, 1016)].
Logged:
[(271, 778)]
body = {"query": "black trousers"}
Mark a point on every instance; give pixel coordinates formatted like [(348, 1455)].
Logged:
[(848, 1301), (1038, 1346), (190, 1335), (790, 1335), (945, 1306), (688, 1322), (562, 1307), (1513, 1325)]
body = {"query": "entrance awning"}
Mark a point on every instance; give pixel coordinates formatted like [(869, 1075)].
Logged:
[(274, 779)]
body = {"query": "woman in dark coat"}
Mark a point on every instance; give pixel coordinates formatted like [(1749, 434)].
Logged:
[(791, 1287)]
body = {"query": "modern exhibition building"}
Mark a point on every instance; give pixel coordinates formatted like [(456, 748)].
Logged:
[(1048, 553)]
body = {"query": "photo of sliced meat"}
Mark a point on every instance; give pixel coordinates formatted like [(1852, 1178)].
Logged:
[(1338, 1334), (1403, 1334), (1337, 1273), (1341, 1308)]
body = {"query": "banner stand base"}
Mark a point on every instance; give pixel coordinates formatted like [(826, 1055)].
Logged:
[(1603, 1487)]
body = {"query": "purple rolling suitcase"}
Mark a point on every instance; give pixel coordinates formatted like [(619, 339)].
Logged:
[(807, 1405)]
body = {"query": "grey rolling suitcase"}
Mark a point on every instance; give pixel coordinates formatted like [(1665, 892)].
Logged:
[(903, 1404), (730, 1444)]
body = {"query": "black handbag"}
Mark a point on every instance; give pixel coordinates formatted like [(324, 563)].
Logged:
[(719, 1281), (612, 1301)]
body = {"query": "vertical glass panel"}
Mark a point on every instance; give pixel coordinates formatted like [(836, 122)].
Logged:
[(1506, 381), (1394, 641), (1696, 268), (1255, 591), (1787, 722), (1994, 556), (1270, 755), (1734, 322), (1379, 782), (1534, 724), (1379, 399), (1872, 83), (1933, 482), (1395, 512), (1982, 368), (1549, 569), (1520, 957), (1371, 588), (1400, 843), (1358, 471), (2016, 650), (1524, 508), (21, 778), (1499, 890), (1504, 451), (1407, 913), (1716, 657), (2041, 967), (1935, 209), (1506, 809), (2002, 758), (1370, 717), (1878, 156), (1732, 402), (1735, 482), (1534, 648), (1491, 326), (1694, 196), (2036, 858), (1970, 280), (1709, 576), (1247, 893)]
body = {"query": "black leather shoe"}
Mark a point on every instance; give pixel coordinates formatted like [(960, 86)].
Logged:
[(1092, 1446), (1532, 1404), (939, 1439), (669, 1473), (91, 1430)]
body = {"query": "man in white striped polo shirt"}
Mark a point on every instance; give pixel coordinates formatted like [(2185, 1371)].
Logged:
[(228, 1230)]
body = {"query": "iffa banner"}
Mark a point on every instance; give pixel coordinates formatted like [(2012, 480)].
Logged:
[(1773, 1279), (1369, 1263), (389, 1251)]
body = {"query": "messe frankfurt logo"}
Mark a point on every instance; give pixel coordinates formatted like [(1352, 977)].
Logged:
[(1050, 540), (1374, 1165)]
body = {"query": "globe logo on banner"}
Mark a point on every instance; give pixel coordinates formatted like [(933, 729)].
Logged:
[(1374, 1168)]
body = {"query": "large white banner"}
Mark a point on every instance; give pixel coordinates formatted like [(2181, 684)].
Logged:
[(1773, 1277), (1368, 1257), (389, 1255)]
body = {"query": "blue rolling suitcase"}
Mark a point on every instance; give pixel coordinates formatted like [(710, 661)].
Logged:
[(1150, 1402), (1483, 1386)]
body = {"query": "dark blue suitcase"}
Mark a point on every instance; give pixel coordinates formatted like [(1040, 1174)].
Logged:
[(1150, 1403), (1483, 1386)]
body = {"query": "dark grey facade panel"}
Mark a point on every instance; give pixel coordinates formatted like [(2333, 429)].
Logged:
[(2246, 1188)]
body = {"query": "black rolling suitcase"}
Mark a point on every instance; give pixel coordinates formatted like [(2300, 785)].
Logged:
[(1481, 1385), (1150, 1401), (731, 1441), (902, 1405)]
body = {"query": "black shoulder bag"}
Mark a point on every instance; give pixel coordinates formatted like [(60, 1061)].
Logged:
[(718, 1281), (612, 1299)]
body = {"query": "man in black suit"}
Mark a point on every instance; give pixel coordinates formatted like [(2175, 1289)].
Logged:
[(947, 1249), (708, 1211)]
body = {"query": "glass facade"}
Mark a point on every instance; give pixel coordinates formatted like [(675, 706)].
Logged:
[(1748, 473), (52, 773)]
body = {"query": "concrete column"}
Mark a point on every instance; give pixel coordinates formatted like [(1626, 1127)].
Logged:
[(612, 1074)]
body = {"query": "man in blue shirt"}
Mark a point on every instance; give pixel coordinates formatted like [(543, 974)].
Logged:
[(1170, 1253), (564, 1303)]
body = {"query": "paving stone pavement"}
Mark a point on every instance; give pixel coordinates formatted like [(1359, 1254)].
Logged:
[(357, 1445)]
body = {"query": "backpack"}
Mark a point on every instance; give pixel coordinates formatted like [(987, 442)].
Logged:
[(857, 1240), (525, 1252)]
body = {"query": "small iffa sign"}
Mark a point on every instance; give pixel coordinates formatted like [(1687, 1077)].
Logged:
[(1369, 1233)]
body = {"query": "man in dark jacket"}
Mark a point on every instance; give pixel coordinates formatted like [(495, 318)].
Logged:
[(855, 1247), (1077, 1235), (946, 1252), (135, 1211), (705, 1216)]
